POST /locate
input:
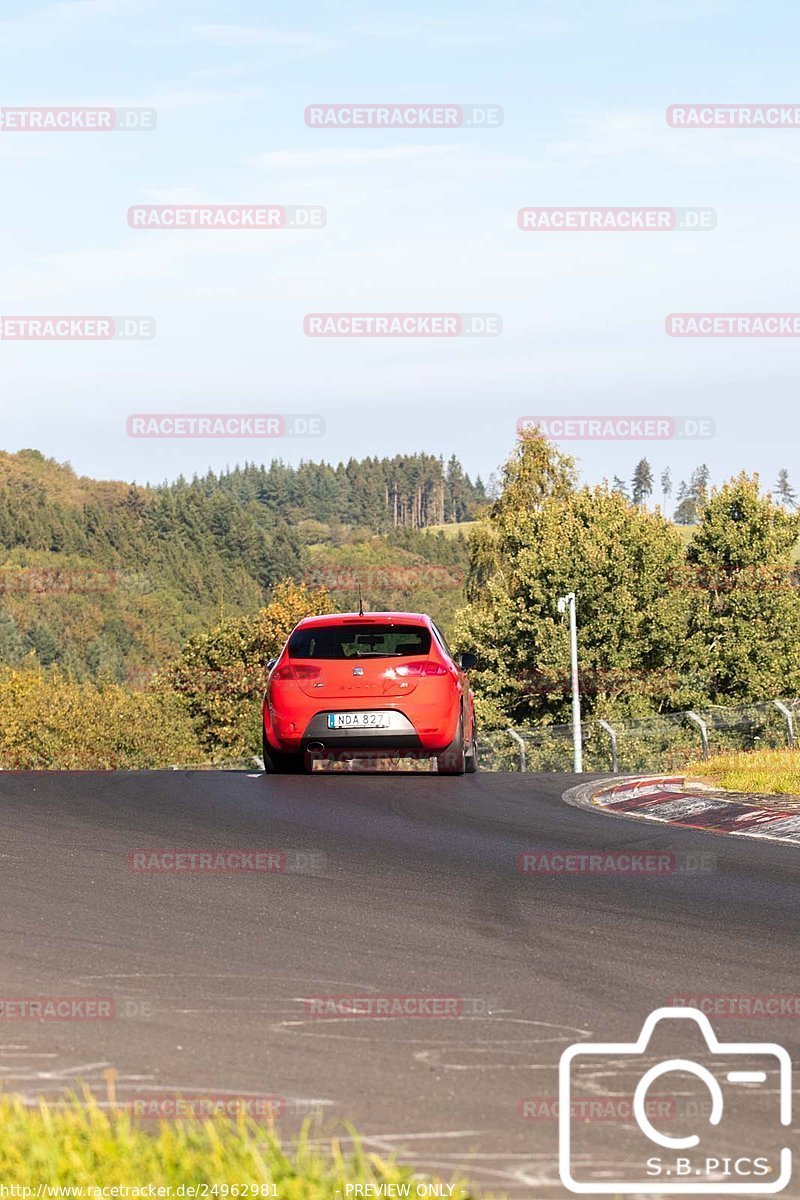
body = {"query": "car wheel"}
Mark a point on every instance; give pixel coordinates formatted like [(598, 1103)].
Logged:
[(471, 761), (452, 761), (278, 763)]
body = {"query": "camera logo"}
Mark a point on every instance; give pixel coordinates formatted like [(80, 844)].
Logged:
[(714, 1148)]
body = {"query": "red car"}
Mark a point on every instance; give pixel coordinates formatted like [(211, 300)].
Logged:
[(367, 682)]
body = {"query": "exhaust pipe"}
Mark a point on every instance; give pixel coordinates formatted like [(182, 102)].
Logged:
[(315, 747)]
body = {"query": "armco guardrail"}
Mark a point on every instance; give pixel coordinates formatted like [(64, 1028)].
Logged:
[(660, 743)]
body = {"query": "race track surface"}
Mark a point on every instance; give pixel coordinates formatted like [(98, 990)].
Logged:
[(416, 891)]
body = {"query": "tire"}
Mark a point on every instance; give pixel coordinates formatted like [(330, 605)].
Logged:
[(453, 760), (471, 760), (278, 763)]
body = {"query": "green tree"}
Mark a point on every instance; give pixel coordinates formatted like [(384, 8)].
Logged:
[(12, 644), (535, 471), (221, 675), (692, 497), (642, 482), (744, 628), (615, 557), (784, 490), (48, 720), (45, 643)]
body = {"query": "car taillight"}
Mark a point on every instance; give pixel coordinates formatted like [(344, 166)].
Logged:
[(416, 670), (294, 671)]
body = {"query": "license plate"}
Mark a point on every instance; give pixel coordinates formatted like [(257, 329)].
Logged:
[(358, 720)]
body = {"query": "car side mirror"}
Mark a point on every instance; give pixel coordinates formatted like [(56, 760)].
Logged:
[(467, 661), (271, 663)]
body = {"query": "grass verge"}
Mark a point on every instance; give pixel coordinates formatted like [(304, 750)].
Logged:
[(84, 1146), (770, 772)]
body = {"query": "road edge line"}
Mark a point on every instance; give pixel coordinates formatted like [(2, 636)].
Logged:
[(664, 800)]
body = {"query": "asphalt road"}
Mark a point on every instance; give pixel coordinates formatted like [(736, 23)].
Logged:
[(409, 887)]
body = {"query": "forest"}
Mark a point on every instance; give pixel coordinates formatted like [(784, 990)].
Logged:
[(106, 580)]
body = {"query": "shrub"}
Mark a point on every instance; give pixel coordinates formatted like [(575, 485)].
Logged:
[(82, 1146), (221, 675), (47, 720)]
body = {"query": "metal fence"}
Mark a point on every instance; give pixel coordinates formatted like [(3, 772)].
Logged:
[(659, 743)]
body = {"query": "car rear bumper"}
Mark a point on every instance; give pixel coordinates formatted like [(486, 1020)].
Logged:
[(399, 733), (288, 729)]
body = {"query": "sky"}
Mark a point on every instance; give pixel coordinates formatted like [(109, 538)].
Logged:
[(416, 221)]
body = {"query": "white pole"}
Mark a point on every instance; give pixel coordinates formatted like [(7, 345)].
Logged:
[(565, 602), (512, 733)]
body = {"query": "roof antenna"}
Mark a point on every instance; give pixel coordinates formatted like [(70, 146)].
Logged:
[(360, 602)]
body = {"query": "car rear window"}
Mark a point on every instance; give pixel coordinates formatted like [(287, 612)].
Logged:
[(360, 641)]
